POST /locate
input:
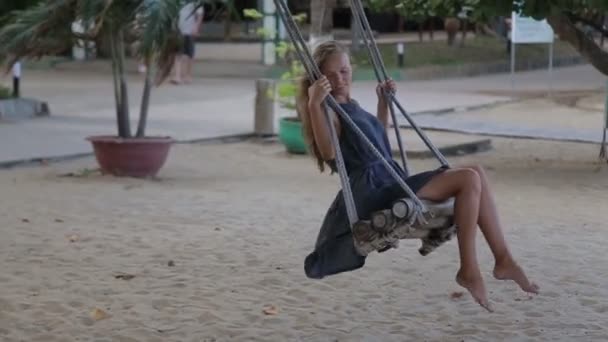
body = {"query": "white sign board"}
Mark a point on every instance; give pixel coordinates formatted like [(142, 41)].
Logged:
[(528, 30)]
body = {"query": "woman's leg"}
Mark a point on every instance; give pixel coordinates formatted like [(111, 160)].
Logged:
[(505, 266), (465, 186)]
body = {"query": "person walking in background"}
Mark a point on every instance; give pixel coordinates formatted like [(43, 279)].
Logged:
[(190, 20)]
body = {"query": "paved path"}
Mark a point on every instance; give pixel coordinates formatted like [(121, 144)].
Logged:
[(81, 103)]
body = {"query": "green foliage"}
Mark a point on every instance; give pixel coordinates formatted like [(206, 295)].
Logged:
[(287, 88), (8, 6), (478, 50), (538, 9), (252, 13), (382, 5), (420, 10), (416, 9), (45, 28), (5, 92), (567, 17)]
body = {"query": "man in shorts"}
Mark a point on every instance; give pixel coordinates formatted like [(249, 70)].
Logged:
[(190, 19)]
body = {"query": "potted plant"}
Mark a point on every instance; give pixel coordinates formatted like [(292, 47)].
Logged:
[(46, 28), (290, 126)]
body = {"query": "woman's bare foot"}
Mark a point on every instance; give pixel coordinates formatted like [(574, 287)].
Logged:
[(473, 282), (508, 269)]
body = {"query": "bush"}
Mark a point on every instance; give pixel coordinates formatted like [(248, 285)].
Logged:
[(5, 93), (287, 87)]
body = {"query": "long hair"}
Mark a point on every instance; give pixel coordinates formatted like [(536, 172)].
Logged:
[(320, 55)]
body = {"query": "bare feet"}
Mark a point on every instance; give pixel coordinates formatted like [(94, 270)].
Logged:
[(510, 270), (473, 282), (176, 82)]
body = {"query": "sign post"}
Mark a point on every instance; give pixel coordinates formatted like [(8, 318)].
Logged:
[(274, 31), (270, 23), (525, 30)]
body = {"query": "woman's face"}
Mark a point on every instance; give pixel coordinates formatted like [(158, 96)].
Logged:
[(338, 71)]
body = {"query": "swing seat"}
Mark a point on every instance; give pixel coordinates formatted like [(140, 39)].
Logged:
[(386, 227)]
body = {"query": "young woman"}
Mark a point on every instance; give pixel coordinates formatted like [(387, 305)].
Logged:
[(374, 188)]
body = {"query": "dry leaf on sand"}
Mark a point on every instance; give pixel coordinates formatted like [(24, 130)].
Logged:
[(73, 237), (124, 276), (456, 294), (98, 314), (270, 310)]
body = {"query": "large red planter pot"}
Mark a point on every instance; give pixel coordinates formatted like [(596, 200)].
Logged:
[(132, 157)]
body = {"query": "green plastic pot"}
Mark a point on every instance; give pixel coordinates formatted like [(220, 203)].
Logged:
[(290, 134)]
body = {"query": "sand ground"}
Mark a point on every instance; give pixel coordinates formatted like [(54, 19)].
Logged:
[(213, 251)]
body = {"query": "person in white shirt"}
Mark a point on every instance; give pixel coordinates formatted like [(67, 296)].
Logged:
[(190, 20)]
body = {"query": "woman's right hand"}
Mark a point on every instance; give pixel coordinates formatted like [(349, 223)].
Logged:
[(318, 91)]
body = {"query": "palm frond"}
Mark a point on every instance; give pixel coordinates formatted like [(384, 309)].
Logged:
[(157, 33), (93, 14), (37, 31)]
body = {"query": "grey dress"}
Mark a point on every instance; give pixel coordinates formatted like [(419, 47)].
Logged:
[(373, 189)]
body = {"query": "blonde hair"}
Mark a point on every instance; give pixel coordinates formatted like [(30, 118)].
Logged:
[(320, 55)]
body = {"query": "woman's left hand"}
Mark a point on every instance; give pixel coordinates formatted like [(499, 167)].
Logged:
[(390, 86)]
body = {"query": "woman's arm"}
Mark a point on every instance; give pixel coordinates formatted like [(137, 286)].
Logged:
[(383, 109)]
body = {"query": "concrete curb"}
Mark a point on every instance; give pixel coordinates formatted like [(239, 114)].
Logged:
[(454, 150), (226, 139), (42, 160), (460, 109), (505, 135), (482, 69), (218, 140)]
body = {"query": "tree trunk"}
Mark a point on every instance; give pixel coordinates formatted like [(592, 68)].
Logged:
[(420, 32), (452, 25), (586, 46), (124, 123), (116, 78), (145, 102), (321, 21), (431, 28), (228, 28), (603, 25), (122, 116), (464, 30), (400, 24)]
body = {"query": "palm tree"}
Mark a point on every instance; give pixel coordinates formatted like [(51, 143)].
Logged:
[(46, 28)]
